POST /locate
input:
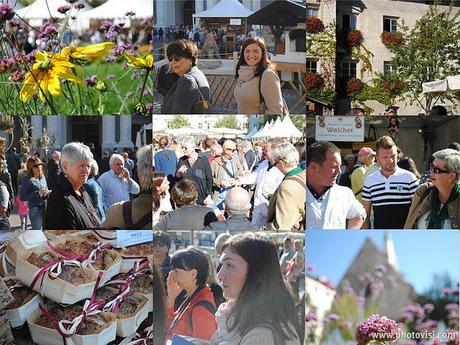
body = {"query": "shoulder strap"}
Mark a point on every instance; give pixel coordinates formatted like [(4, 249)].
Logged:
[(145, 219), (207, 305), (298, 179), (226, 169), (127, 214), (261, 98)]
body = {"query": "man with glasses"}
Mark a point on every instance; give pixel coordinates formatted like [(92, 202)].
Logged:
[(388, 190), (225, 172)]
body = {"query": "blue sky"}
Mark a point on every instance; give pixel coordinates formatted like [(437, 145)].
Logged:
[(420, 254)]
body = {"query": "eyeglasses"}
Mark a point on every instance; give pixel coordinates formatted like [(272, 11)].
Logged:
[(175, 58), (159, 244), (437, 170)]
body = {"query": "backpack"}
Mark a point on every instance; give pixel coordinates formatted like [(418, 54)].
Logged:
[(207, 305), (128, 217)]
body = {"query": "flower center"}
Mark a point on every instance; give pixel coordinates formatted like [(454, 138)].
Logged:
[(44, 65)]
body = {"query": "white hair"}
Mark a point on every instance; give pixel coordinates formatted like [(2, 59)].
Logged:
[(75, 152), (116, 156), (452, 159), (237, 201), (189, 142), (287, 153)]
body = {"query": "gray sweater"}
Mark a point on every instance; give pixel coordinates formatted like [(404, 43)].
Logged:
[(184, 93)]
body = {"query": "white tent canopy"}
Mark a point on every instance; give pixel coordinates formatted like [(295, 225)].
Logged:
[(263, 132), (251, 133), (225, 9), (41, 9), (116, 9), (451, 83)]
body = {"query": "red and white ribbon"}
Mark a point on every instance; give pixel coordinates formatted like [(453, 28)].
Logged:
[(114, 305), (148, 335), (53, 269), (69, 328), (92, 256)]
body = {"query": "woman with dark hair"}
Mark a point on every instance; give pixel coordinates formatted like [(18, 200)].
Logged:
[(260, 308), (408, 164), (258, 88), (192, 86), (160, 195), (195, 316), (159, 308)]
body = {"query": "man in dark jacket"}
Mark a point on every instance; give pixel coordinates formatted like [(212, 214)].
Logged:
[(13, 160), (53, 170)]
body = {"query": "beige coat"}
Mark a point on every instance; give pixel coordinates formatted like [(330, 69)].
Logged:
[(421, 201), (140, 206), (247, 95), (286, 209), (219, 174)]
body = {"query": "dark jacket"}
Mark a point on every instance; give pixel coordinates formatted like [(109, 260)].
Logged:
[(165, 80), (200, 173), (54, 170), (191, 217), (66, 210), (5, 177), (184, 93), (233, 223)]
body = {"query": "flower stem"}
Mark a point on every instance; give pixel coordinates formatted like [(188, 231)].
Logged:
[(143, 85)]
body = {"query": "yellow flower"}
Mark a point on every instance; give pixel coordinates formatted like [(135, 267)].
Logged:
[(45, 75), (140, 62), (90, 52)]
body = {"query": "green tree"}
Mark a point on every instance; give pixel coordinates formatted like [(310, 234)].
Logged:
[(179, 121), (227, 121), (430, 51)]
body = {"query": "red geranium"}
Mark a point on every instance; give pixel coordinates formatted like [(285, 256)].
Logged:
[(392, 39), (354, 86), (354, 38), (314, 25), (313, 81)]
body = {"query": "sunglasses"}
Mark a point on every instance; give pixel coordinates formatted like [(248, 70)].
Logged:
[(159, 244), (437, 170), (175, 58)]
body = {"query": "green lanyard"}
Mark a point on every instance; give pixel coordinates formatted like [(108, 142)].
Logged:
[(293, 172)]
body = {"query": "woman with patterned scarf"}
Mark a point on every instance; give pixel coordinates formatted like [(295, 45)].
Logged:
[(436, 204)]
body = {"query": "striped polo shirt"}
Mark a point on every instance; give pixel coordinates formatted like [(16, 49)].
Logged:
[(390, 197)]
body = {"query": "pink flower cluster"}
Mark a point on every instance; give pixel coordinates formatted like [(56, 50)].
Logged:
[(376, 328), (6, 12)]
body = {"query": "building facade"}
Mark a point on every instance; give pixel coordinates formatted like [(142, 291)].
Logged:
[(372, 18)]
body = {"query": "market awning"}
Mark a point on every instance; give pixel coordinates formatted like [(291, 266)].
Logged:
[(288, 13), (451, 83)]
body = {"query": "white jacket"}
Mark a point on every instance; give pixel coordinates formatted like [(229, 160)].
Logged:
[(333, 208)]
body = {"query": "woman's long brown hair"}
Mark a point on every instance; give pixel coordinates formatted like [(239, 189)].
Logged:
[(264, 62), (158, 178)]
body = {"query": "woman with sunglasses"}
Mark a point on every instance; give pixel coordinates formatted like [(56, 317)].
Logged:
[(258, 88), (34, 190), (260, 308), (190, 93), (436, 204), (195, 316)]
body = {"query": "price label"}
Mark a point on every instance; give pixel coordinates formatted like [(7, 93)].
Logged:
[(131, 237)]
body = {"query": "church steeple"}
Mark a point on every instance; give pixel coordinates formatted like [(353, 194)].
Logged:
[(390, 251)]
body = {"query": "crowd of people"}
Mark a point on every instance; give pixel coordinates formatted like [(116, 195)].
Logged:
[(186, 89), (228, 184), (218, 299), (383, 189), (75, 191)]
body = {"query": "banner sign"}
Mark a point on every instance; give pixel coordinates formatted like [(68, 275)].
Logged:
[(340, 128)]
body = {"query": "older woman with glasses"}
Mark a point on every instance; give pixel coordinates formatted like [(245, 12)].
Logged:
[(436, 204), (190, 93), (69, 205)]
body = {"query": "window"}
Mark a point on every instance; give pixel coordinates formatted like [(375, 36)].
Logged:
[(312, 66), (347, 69), (387, 67), (390, 24), (312, 11), (349, 21)]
